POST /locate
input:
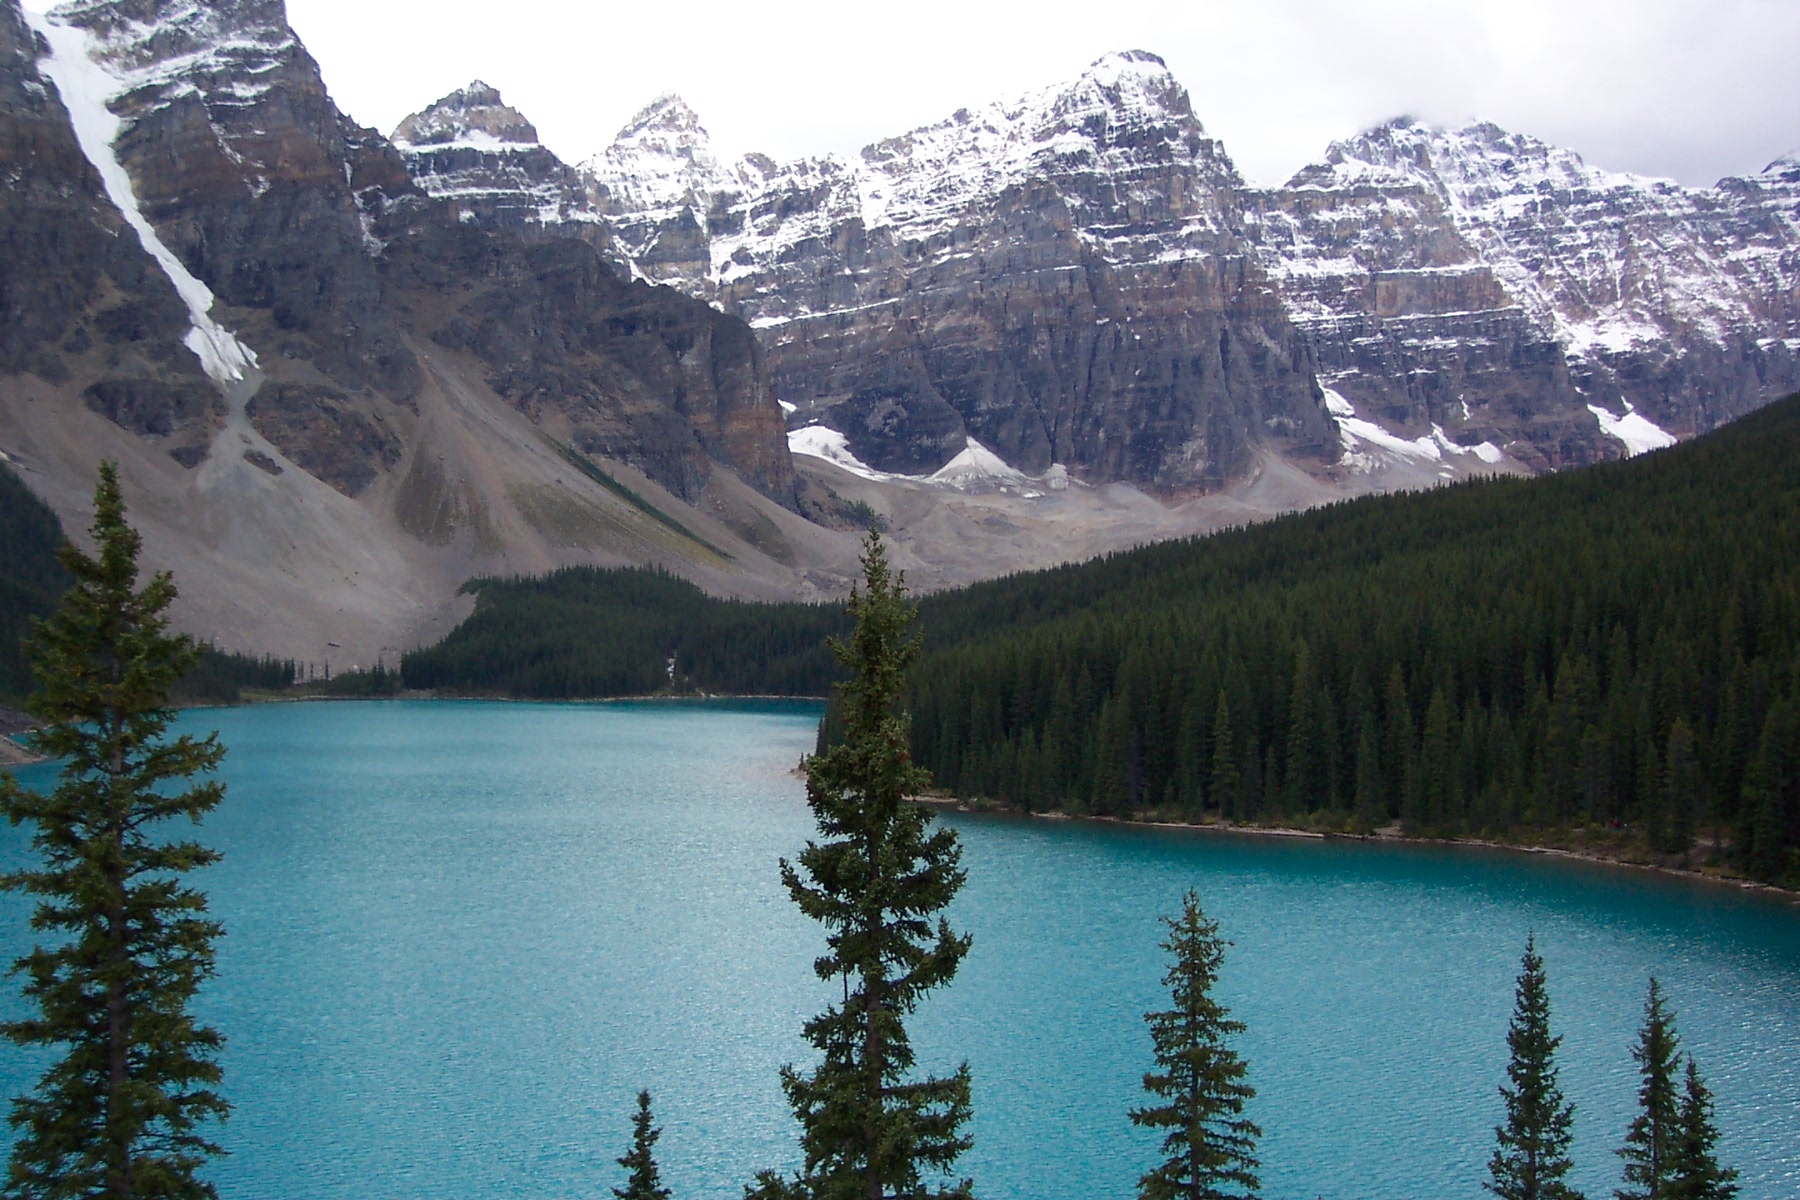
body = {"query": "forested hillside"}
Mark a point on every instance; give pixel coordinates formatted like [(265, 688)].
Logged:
[(1616, 647), (30, 579), (1606, 647), (586, 632)]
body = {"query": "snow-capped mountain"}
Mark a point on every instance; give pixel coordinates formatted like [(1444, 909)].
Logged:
[(484, 158), (1062, 277), (332, 395), (659, 183), (996, 275), (1477, 274)]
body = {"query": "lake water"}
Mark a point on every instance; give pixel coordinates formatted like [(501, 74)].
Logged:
[(461, 936)]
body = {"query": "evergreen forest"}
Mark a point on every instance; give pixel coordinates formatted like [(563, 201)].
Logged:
[(1612, 647)]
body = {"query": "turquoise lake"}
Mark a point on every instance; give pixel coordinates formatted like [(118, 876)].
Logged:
[(462, 935)]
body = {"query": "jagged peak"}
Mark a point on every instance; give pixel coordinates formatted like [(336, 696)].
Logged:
[(1787, 164), (1134, 85), (668, 113), (1407, 147), (474, 113), (1122, 87)]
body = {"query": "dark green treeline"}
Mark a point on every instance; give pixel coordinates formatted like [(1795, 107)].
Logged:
[(589, 631), (1616, 645), (31, 579)]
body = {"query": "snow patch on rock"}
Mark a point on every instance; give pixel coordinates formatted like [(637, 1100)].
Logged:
[(1638, 432), (86, 88), (976, 465), (819, 441)]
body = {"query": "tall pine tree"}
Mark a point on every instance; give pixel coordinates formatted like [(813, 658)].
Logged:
[(1650, 1142), (874, 882), (1696, 1171), (120, 1113), (644, 1181), (1533, 1152), (1210, 1145)]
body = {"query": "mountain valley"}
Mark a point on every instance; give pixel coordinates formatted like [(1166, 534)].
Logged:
[(344, 372)]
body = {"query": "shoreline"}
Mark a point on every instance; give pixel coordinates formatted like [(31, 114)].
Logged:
[(978, 808), (654, 697)]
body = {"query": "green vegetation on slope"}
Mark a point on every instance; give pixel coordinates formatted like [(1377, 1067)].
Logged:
[(1617, 646), (1611, 648), (30, 577), (587, 631)]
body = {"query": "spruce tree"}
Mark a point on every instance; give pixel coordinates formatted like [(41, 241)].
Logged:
[(1210, 1144), (874, 881), (1683, 790), (1533, 1152), (1650, 1142), (644, 1183), (120, 1113), (1223, 789), (1696, 1171)]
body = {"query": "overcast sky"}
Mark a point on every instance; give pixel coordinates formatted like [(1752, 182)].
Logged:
[(1693, 89)]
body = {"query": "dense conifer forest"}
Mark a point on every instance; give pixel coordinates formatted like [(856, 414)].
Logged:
[(587, 631), (1612, 647), (30, 581)]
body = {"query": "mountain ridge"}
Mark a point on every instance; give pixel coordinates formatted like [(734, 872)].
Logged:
[(1465, 318)]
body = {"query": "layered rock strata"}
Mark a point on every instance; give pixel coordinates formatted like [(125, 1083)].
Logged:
[(484, 159), (1484, 281), (81, 303), (1081, 276), (1062, 278)]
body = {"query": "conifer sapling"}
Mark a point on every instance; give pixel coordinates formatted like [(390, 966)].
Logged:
[(1650, 1142), (1697, 1174), (1210, 1146), (643, 1182), (1533, 1152)]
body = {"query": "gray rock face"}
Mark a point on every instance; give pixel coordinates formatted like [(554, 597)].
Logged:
[(1496, 286), (1063, 278), (1081, 276), (484, 160)]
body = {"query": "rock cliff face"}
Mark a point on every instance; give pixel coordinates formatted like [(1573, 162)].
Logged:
[(484, 159), (1494, 285), (328, 259), (80, 301), (333, 395), (1080, 276), (1063, 278)]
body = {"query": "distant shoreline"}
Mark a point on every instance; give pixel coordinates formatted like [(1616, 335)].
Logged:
[(657, 697), (1383, 837)]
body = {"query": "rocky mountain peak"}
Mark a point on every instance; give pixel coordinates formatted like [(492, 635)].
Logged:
[(663, 161), (475, 115), (1130, 84), (667, 114), (1785, 168)]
